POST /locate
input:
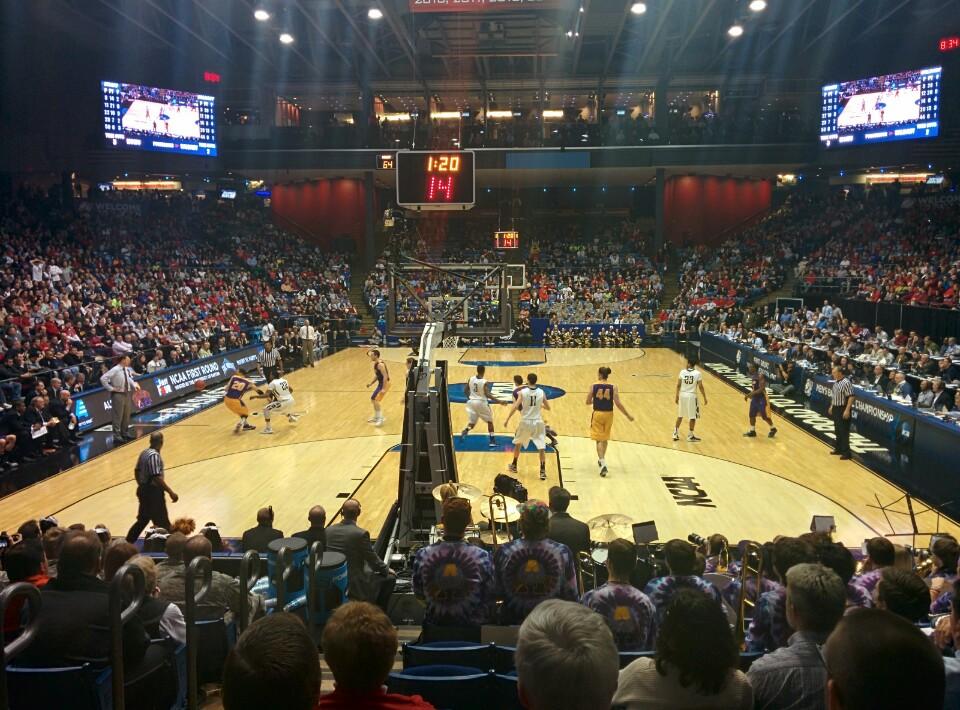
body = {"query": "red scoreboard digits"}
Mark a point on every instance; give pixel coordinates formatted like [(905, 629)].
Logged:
[(435, 179)]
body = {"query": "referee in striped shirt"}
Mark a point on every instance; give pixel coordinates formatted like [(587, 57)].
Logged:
[(269, 362), (841, 405), (151, 488)]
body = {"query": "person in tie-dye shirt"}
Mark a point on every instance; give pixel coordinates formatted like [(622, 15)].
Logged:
[(628, 612), (681, 559), (838, 558), (880, 554), (946, 558), (904, 594), (769, 629), (532, 569), (454, 578)]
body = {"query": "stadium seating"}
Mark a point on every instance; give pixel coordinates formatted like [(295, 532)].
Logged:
[(459, 687)]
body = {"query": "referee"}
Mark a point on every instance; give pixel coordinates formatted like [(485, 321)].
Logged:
[(269, 364), (151, 488), (841, 404)]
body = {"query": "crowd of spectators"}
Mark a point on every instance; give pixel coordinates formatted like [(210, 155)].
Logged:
[(164, 278)]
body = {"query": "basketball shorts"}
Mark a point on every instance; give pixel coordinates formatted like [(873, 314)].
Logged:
[(380, 393), (237, 406), (531, 431), (600, 425), (280, 406), (688, 407), (478, 410), (758, 407)]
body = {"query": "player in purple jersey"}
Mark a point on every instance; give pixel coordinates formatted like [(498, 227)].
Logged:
[(758, 402)]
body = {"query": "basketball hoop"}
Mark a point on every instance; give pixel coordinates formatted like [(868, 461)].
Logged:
[(451, 341)]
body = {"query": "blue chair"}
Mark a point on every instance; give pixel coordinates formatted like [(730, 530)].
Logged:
[(77, 687), (448, 653), (454, 687), (747, 658), (505, 695), (628, 657), (503, 660)]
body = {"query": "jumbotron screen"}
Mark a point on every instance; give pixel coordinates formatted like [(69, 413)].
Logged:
[(164, 120), (892, 107)]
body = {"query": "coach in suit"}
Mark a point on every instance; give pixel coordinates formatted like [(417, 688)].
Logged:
[(563, 528), (119, 382), (259, 537), (317, 531), (366, 573), (942, 397)]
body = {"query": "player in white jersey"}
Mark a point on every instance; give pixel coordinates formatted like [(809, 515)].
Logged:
[(531, 401), (280, 395), (688, 381), (478, 404)]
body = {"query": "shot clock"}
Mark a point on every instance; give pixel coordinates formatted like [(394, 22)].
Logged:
[(436, 180), (506, 240)]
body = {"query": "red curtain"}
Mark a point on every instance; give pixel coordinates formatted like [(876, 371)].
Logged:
[(324, 209), (699, 208)]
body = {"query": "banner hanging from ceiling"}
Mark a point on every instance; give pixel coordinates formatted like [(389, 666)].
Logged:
[(485, 5)]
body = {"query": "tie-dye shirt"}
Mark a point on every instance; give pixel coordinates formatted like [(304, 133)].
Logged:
[(731, 593), (628, 612), (662, 589), (530, 571), (456, 579), (857, 596), (769, 629), (868, 580)]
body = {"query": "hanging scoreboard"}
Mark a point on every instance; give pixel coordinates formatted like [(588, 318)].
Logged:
[(436, 179)]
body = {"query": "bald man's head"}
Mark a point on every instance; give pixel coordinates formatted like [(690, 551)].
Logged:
[(156, 440), (317, 516), (351, 509), (197, 546), (265, 515)]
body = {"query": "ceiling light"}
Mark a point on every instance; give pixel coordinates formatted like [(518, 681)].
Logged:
[(638, 8), (261, 15), (374, 13), (735, 30), (569, 33), (287, 38), (758, 5)]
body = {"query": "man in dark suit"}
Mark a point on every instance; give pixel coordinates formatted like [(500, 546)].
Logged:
[(257, 538), (353, 541), (35, 417), (942, 397), (61, 407), (878, 378), (569, 531), (316, 532)]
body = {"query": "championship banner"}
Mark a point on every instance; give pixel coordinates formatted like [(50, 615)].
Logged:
[(489, 6)]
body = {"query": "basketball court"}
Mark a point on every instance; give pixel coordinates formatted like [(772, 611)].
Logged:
[(744, 488)]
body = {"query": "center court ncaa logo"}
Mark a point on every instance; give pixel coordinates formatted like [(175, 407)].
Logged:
[(499, 390)]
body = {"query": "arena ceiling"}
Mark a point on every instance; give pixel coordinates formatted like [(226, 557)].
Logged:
[(584, 42)]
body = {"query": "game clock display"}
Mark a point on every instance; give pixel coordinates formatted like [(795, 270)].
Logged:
[(436, 179)]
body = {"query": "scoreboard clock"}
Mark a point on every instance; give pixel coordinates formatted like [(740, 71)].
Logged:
[(436, 179), (506, 240)]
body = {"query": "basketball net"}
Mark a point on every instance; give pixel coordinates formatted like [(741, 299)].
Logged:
[(451, 341)]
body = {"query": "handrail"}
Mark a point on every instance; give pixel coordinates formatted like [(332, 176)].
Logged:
[(314, 560), (249, 574), (281, 575), (192, 597), (9, 651), (119, 616)]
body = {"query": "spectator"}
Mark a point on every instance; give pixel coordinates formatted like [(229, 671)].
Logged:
[(563, 528), (838, 558), (273, 665), (52, 542), (115, 557), (793, 676), (317, 517), (259, 538), (360, 646), (174, 544), (160, 618), (681, 560), (368, 576), (455, 578), (880, 554), (904, 594), (566, 659), (533, 568), (212, 533), (184, 525), (23, 562), (879, 661), (628, 612), (223, 599), (682, 674), (769, 629)]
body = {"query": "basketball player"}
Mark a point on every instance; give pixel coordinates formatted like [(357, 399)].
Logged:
[(603, 396), (758, 402), (517, 387), (478, 404), (280, 395), (531, 402), (686, 398), (382, 378), (233, 399)]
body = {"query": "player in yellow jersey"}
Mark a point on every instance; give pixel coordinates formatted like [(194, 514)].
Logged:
[(237, 387), (603, 396)]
